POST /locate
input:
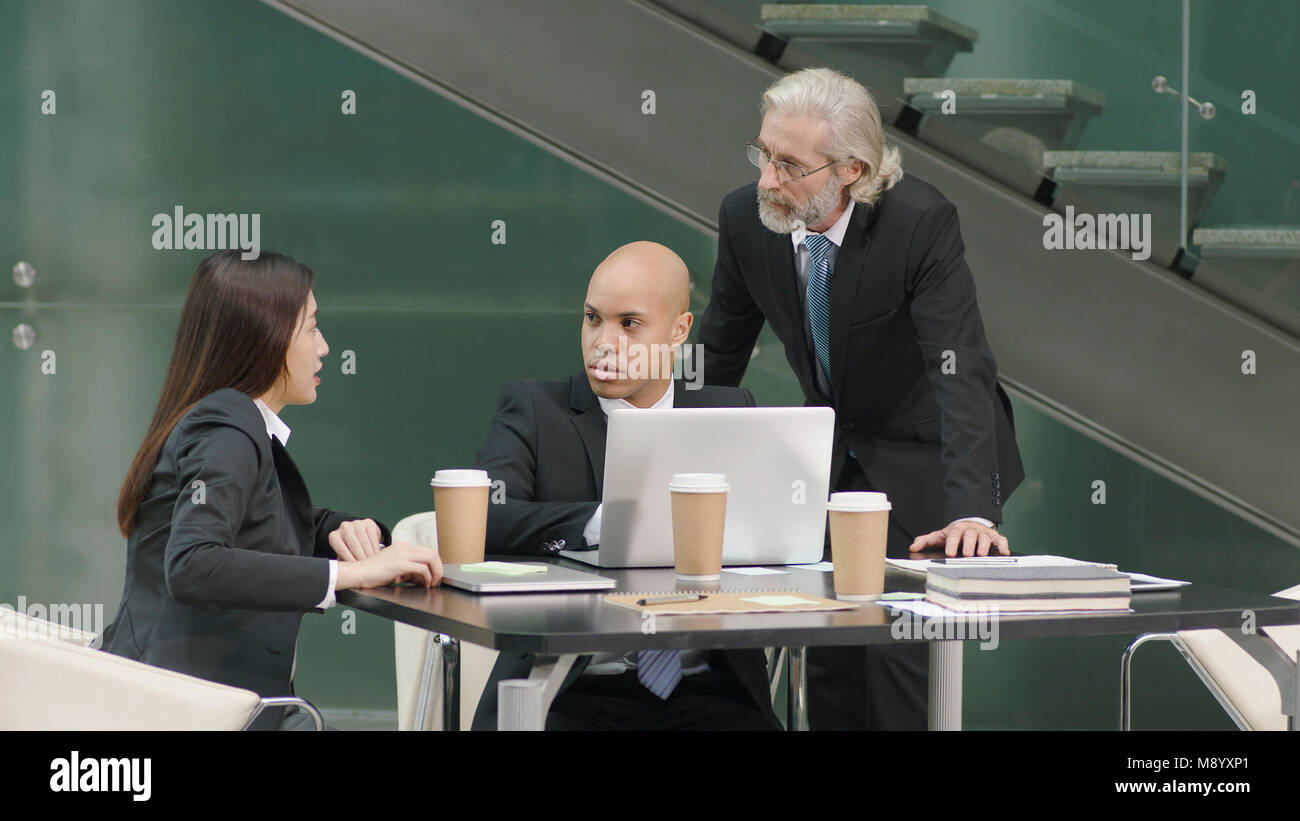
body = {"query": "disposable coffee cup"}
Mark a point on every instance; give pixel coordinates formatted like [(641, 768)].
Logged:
[(460, 499), (859, 530), (699, 516)]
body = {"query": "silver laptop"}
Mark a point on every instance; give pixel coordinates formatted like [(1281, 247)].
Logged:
[(777, 460), (551, 578)]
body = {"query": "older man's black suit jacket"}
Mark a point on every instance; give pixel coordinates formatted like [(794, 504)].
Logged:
[(939, 440), (547, 444), (227, 554)]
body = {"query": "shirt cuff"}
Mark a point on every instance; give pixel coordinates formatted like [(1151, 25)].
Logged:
[(979, 519), (591, 533), (328, 601)]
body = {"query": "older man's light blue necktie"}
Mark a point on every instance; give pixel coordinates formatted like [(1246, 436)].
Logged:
[(819, 298)]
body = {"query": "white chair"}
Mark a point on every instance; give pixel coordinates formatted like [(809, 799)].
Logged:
[(54, 684), (412, 645), (1244, 687)]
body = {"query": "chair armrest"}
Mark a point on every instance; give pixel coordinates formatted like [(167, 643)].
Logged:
[(287, 701)]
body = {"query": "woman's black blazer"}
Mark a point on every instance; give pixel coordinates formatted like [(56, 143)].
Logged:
[(227, 553)]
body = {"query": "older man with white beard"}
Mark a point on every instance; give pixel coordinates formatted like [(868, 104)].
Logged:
[(860, 272)]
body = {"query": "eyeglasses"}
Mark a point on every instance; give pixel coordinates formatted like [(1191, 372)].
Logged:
[(785, 171)]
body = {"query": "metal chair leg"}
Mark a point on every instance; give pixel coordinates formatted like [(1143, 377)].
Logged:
[(450, 683), (1125, 668), (432, 654), (775, 665), (797, 698)]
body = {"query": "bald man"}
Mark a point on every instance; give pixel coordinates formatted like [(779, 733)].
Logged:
[(547, 445)]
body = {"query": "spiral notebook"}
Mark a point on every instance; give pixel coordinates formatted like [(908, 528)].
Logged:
[(719, 602)]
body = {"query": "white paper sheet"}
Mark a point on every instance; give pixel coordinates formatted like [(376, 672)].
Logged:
[(928, 609), (824, 567)]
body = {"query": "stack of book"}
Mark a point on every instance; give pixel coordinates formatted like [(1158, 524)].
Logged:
[(1010, 588)]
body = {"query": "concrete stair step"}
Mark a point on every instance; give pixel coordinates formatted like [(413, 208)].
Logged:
[(1019, 117), (1137, 167), (1255, 241), (1264, 257), (1141, 182), (879, 45), (1009, 94)]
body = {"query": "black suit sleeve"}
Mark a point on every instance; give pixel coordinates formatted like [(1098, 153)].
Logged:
[(947, 319), (326, 521), (731, 321), (516, 523), (203, 563)]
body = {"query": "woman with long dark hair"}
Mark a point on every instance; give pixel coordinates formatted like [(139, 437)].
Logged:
[(225, 551)]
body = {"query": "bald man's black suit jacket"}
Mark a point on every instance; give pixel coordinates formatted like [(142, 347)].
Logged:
[(227, 554), (914, 382), (547, 444)]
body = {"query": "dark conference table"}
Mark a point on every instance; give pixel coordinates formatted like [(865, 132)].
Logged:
[(558, 627)]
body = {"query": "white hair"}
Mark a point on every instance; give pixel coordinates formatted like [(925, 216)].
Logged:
[(854, 129)]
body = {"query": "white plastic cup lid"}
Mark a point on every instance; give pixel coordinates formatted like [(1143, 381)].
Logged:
[(859, 502), (461, 478), (699, 483)]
